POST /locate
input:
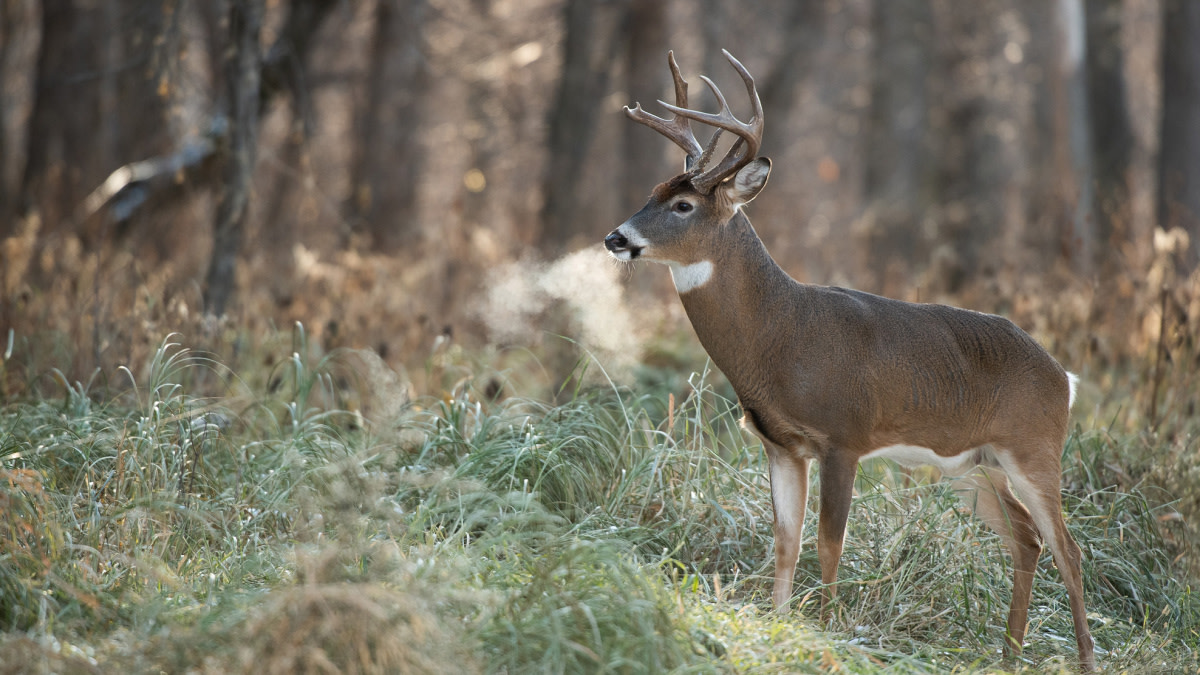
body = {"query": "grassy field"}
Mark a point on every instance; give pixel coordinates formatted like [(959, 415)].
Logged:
[(307, 520)]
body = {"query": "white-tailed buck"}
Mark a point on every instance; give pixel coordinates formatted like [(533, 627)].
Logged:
[(838, 375)]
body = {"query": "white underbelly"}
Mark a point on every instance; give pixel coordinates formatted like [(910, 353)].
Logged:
[(913, 456)]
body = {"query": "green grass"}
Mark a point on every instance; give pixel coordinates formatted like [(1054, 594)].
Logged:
[(144, 528)]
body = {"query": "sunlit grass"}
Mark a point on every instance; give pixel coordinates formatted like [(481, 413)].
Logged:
[(612, 531)]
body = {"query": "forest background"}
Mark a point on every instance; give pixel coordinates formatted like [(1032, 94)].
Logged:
[(311, 358), (398, 175)]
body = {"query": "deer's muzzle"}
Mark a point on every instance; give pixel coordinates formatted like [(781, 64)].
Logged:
[(618, 244)]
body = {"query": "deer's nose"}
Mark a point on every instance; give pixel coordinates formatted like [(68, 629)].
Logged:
[(615, 241)]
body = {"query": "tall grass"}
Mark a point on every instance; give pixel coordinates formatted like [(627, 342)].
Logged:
[(271, 530)]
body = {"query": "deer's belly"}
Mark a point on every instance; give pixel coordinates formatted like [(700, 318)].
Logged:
[(913, 456)]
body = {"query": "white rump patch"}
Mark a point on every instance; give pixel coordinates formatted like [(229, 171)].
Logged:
[(1073, 382), (688, 277)]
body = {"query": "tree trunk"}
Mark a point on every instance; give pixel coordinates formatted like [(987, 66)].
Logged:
[(1112, 133), (645, 58), (96, 104), (251, 82), (804, 24), (243, 72), (59, 167), (898, 163), (20, 33), (386, 170), (1068, 188), (589, 48), (977, 183), (1179, 155), (7, 15), (285, 64)]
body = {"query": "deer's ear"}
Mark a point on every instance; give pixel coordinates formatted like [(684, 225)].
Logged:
[(749, 181)]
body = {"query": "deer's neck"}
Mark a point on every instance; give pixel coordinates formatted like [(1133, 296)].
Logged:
[(735, 309)]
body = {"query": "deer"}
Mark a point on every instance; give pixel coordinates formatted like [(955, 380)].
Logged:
[(839, 376)]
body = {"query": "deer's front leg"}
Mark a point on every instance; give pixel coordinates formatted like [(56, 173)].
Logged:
[(789, 497), (837, 489)]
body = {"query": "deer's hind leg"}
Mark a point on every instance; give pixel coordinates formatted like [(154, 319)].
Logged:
[(986, 493), (1037, 479)]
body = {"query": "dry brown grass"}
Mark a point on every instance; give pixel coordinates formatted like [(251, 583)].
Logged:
[(353, 628), (23, 655)]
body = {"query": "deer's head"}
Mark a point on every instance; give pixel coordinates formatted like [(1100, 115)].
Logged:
[(682, 219)]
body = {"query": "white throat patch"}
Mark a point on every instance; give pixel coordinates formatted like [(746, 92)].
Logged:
[(688, 277)]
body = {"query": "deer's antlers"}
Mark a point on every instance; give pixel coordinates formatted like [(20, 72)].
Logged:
[(679, 130)]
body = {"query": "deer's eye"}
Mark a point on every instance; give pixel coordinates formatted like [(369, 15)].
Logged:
[(683, 207)]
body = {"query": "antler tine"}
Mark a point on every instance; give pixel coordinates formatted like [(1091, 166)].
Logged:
[(678, 129), (749, 133), (698, 168), (681, 85)]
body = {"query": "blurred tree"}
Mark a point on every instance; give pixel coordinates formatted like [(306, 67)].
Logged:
[(803, 22), (591, 44), (1111, 133), (1069, 187), (977, 183), (101, 107), (286, 76), (390, 125), (97, 103), (7, 17), (898, 161), (285, 65), (251, 81), (1179, 154), (645, 45), (20, 31), (243, 87)]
